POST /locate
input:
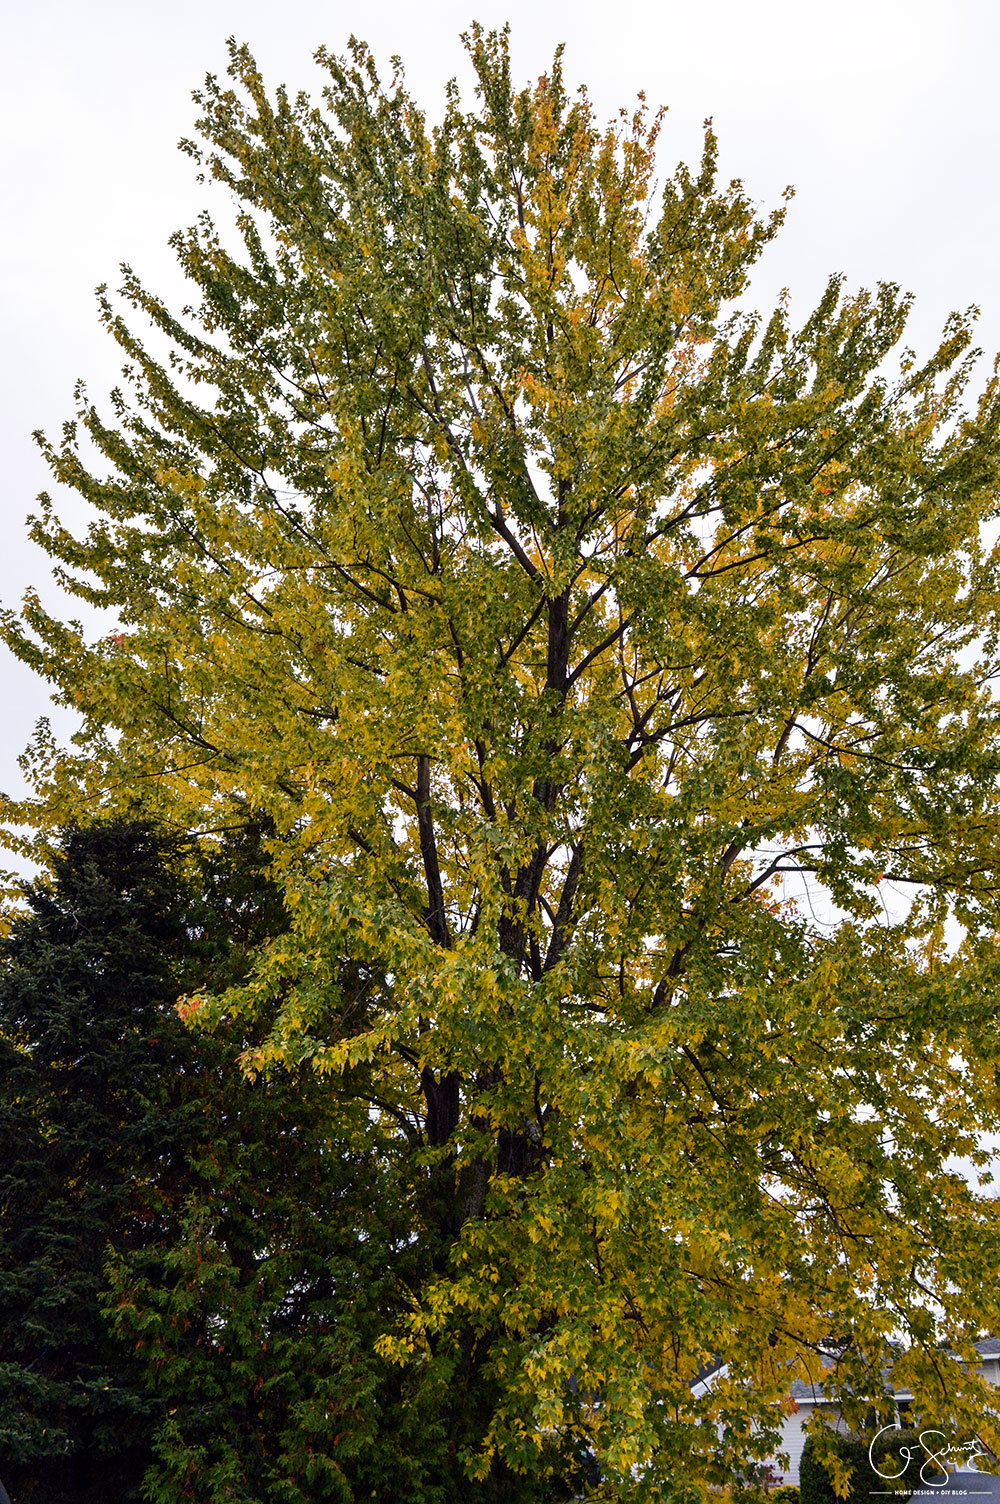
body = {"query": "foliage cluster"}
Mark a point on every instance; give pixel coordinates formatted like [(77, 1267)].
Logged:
[(785, 1493)]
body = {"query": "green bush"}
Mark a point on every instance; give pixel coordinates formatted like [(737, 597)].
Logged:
[(889, 1453), (786, 1494)]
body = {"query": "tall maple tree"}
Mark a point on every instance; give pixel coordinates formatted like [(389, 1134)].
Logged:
[(555, 610)]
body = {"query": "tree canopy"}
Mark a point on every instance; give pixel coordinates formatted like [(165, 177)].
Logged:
[(555, 611)]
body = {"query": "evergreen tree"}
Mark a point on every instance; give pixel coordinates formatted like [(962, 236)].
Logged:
[(91, 1051)]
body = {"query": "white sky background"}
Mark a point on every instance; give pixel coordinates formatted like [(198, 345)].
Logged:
[(882, 113)]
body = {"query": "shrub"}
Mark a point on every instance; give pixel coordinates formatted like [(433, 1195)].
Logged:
[(889, 1453)]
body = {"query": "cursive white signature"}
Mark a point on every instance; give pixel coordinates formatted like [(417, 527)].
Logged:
[(966, 1451)]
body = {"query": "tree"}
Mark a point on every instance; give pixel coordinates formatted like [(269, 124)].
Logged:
[(557, 613), (91, 1050)]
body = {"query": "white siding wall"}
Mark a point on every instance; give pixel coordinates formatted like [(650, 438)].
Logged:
[(793, 1438)]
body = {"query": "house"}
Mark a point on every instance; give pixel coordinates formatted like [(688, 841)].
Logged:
[(810, 1399)]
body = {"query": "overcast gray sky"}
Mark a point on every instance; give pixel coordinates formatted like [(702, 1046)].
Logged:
[(882, 113)]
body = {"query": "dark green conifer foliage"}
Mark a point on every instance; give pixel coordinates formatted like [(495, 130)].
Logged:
[(257, 1316), (90, 1047)]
